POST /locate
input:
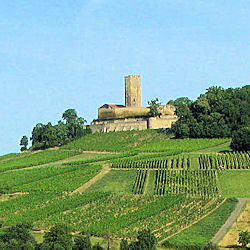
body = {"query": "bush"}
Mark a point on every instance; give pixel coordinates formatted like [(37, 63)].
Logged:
[(59, 237), (241, 139), (244, 238), (23, 149)]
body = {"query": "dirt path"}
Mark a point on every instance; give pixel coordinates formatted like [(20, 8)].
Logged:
[(231, 219), (104, 171), (100, 152)]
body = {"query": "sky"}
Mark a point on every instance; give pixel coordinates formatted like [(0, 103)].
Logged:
[(60, 54)]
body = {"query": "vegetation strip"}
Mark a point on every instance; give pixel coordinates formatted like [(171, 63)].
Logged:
[(200, 233), (231, 219)]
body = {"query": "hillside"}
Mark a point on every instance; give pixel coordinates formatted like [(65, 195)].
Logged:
[(118, 183)]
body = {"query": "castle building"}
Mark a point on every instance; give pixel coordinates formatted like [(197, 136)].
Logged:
[(113, 117)]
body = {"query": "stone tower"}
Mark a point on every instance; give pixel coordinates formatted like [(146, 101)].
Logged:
[(132, 91)]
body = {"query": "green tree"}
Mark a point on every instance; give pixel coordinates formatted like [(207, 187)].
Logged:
[(98, 247), (17, 235), (183, 105), (154, 107), (244, 238), (124, 244), (3, 246), (75, 124), (69, 116), (37, 136), (24, 143), (217, 113), (82, 243), (59, 237), (146, 239), (241, 139)]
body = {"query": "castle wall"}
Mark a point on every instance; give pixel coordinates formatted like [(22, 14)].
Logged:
[(161, 122), (122, 112), (119, 125), (133, 124)]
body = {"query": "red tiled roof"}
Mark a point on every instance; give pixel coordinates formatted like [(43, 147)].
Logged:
[(116, 106)]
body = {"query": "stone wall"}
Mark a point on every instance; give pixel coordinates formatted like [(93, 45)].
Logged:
[(122, 112), (133, 124), (119, 125), (161, 122)]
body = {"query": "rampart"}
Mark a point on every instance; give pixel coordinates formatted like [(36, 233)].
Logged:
[(125, 124)]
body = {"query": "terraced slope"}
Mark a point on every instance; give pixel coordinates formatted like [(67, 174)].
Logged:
[(149, 183), (140, 141)]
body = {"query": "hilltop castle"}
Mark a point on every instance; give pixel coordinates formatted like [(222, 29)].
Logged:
[(113, 117)]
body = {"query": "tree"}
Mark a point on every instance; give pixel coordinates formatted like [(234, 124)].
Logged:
[(98, 247), (244, 238), (46, 136), (217, 113), (241, 139), (82, 243), (124, 245), (182, 105), (154, 107), (37, 136), (59, 237), (69, 116), (24, 143), (146, 239), (18, 235)]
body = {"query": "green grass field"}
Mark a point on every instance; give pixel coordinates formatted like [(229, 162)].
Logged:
[(172, 193), (117, 181), (235, 183), (141, 141), (35, 159)]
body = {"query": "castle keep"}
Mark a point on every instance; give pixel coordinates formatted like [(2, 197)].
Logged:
[(113, 117)]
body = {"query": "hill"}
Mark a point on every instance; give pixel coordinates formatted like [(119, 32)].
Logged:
[(118, 183)]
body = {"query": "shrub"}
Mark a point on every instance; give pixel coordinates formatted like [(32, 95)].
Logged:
[(241, 139), (244, 238)]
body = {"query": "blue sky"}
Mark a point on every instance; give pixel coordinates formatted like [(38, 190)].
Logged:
[(60, 54)]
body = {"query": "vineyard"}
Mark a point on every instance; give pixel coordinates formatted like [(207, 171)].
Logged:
[(140, 180), (148, 183), (157, 163), (35, 159), (188, 182), (140, 141), (52, 178), (239, 160), (127, 214)]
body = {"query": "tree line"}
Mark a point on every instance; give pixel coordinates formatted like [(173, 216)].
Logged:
[(45, 136), (217, 113), (59, 237)]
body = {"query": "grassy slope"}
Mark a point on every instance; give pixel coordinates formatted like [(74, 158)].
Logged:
[(115, 141), (38, 158), (118, 181), (7, 156), (203, 231), (142, 141), (235, 183)]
